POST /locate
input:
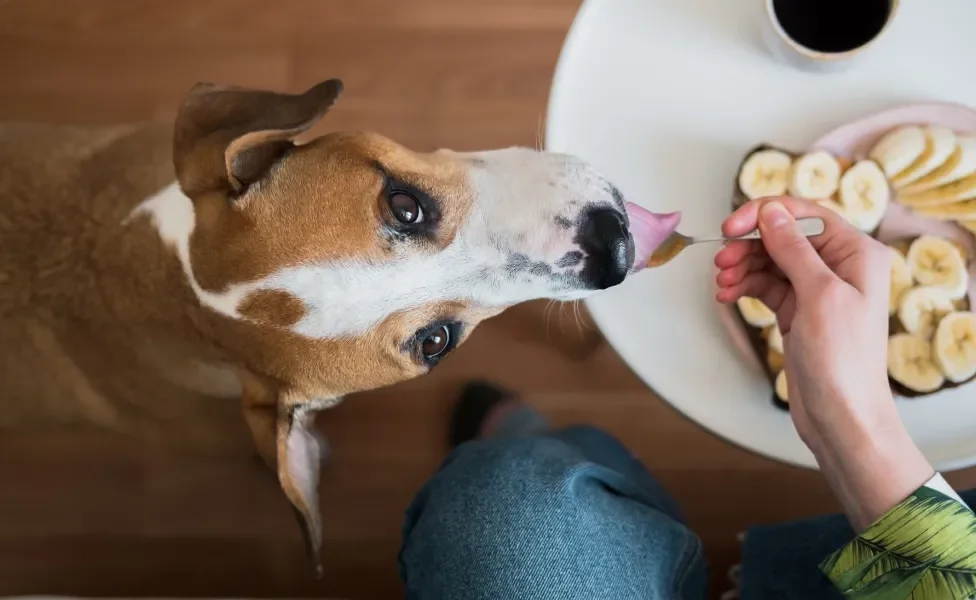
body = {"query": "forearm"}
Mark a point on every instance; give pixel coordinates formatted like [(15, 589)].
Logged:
[(871, 467)]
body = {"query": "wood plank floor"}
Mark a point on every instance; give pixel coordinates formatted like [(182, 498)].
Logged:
[(85, 514)]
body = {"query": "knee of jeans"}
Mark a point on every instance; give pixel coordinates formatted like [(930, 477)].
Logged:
[(588, 436), (496, 484)]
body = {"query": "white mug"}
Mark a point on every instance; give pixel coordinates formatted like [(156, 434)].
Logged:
[(784, 47)]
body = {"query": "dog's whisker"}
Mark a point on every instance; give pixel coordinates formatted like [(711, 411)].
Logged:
[(540, 134), (562, 306), (546, 317), (579, 317)]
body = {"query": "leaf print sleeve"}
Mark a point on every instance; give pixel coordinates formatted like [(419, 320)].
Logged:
[(922, 549)]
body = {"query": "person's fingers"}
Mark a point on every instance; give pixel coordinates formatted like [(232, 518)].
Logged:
[(734, 274), (878, 276), (746, 219), (791, 250), (732, 253), (771, 290)]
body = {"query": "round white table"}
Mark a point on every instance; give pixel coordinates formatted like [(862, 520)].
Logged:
[(665, 97)]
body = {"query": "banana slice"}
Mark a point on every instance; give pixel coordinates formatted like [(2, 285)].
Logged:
[(939, 144), (970, 225), (961, 163), (898, 149), (937, 262), (864, 194), (755, 312), (910, 363), (901, 279), (775, 361), (954, 346), (922, 308), (774, 339), (765, 173), (781, 388), (957, 191), (959, 211), (815, 175)]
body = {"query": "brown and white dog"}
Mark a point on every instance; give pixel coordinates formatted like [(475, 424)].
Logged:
[(304, 271)]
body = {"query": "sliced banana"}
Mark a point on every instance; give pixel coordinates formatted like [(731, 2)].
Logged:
[(961, 163), (901, 279), (922, 308), (898, 149), (939, 144), (937, 262), (782, 390), (959, 211), (774, 360), (864, 194), (774, 338), (910, 363), (755, 312), (970, 225), (815, 175), (957, 191), (765, 173), (954, 346)]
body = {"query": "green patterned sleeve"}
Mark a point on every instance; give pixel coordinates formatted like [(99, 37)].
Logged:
[(922, 549)]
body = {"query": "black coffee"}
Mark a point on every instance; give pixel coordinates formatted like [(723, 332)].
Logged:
[(832, 25)]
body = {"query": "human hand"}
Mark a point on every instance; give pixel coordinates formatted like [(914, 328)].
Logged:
[(830, 294)]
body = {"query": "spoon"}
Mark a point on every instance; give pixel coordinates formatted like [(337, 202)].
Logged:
[(671, 247)]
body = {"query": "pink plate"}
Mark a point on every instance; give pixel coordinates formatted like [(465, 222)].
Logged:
[(854, 140)]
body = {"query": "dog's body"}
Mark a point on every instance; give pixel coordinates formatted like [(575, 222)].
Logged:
[(148, 270), (97, 325)]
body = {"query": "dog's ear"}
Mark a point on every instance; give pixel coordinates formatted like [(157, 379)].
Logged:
[(283, 428), (226, 138), (301, 451)]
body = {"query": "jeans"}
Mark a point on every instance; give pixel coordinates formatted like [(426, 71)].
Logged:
[(571, 514)]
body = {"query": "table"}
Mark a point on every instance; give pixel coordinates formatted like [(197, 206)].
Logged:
[(664, 97)]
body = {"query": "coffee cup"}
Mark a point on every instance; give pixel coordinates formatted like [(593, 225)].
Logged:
[(825, 35)]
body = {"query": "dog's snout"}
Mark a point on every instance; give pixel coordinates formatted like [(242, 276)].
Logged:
[(609, 248)]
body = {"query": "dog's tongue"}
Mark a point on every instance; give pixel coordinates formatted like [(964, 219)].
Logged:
[(649, 231)]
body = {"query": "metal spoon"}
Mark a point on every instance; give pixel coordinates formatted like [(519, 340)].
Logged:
[(676, 242)]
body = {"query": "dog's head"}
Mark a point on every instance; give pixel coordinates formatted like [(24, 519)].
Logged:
[(363, 263)]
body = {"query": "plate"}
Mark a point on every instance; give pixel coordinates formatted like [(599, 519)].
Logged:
[(664, 97), (854, 140)]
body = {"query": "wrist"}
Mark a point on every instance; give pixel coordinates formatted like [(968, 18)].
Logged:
[(872, 468), (852, 423)]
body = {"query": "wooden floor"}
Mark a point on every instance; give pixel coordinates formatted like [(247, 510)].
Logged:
[(83, 514)]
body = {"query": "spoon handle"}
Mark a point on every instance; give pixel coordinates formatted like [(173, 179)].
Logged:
[(809, 227)]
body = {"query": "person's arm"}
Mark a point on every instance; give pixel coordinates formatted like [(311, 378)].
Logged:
[(917, 539), (924, 549)]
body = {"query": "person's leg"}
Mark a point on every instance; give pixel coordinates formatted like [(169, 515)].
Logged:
[(545, 515), (782, 561)]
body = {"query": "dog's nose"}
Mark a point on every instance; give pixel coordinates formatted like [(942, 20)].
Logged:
[(608, 246)]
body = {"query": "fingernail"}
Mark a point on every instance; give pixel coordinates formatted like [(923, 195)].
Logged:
[(774, 214)]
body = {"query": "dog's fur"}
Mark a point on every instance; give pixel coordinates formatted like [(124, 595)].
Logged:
[(271, 271)]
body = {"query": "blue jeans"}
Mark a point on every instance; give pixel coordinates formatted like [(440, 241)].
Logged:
[(572, 514)]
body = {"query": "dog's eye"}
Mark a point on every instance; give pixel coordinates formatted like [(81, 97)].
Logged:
[(406, 209), (436, 342)]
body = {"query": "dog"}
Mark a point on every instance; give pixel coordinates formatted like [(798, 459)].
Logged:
[(220, 256)]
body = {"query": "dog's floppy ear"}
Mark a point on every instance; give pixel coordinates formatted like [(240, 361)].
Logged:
[(301, 451), (283, 428), (226, 138)]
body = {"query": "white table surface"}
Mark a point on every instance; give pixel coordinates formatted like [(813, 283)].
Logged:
[(664, 97)]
